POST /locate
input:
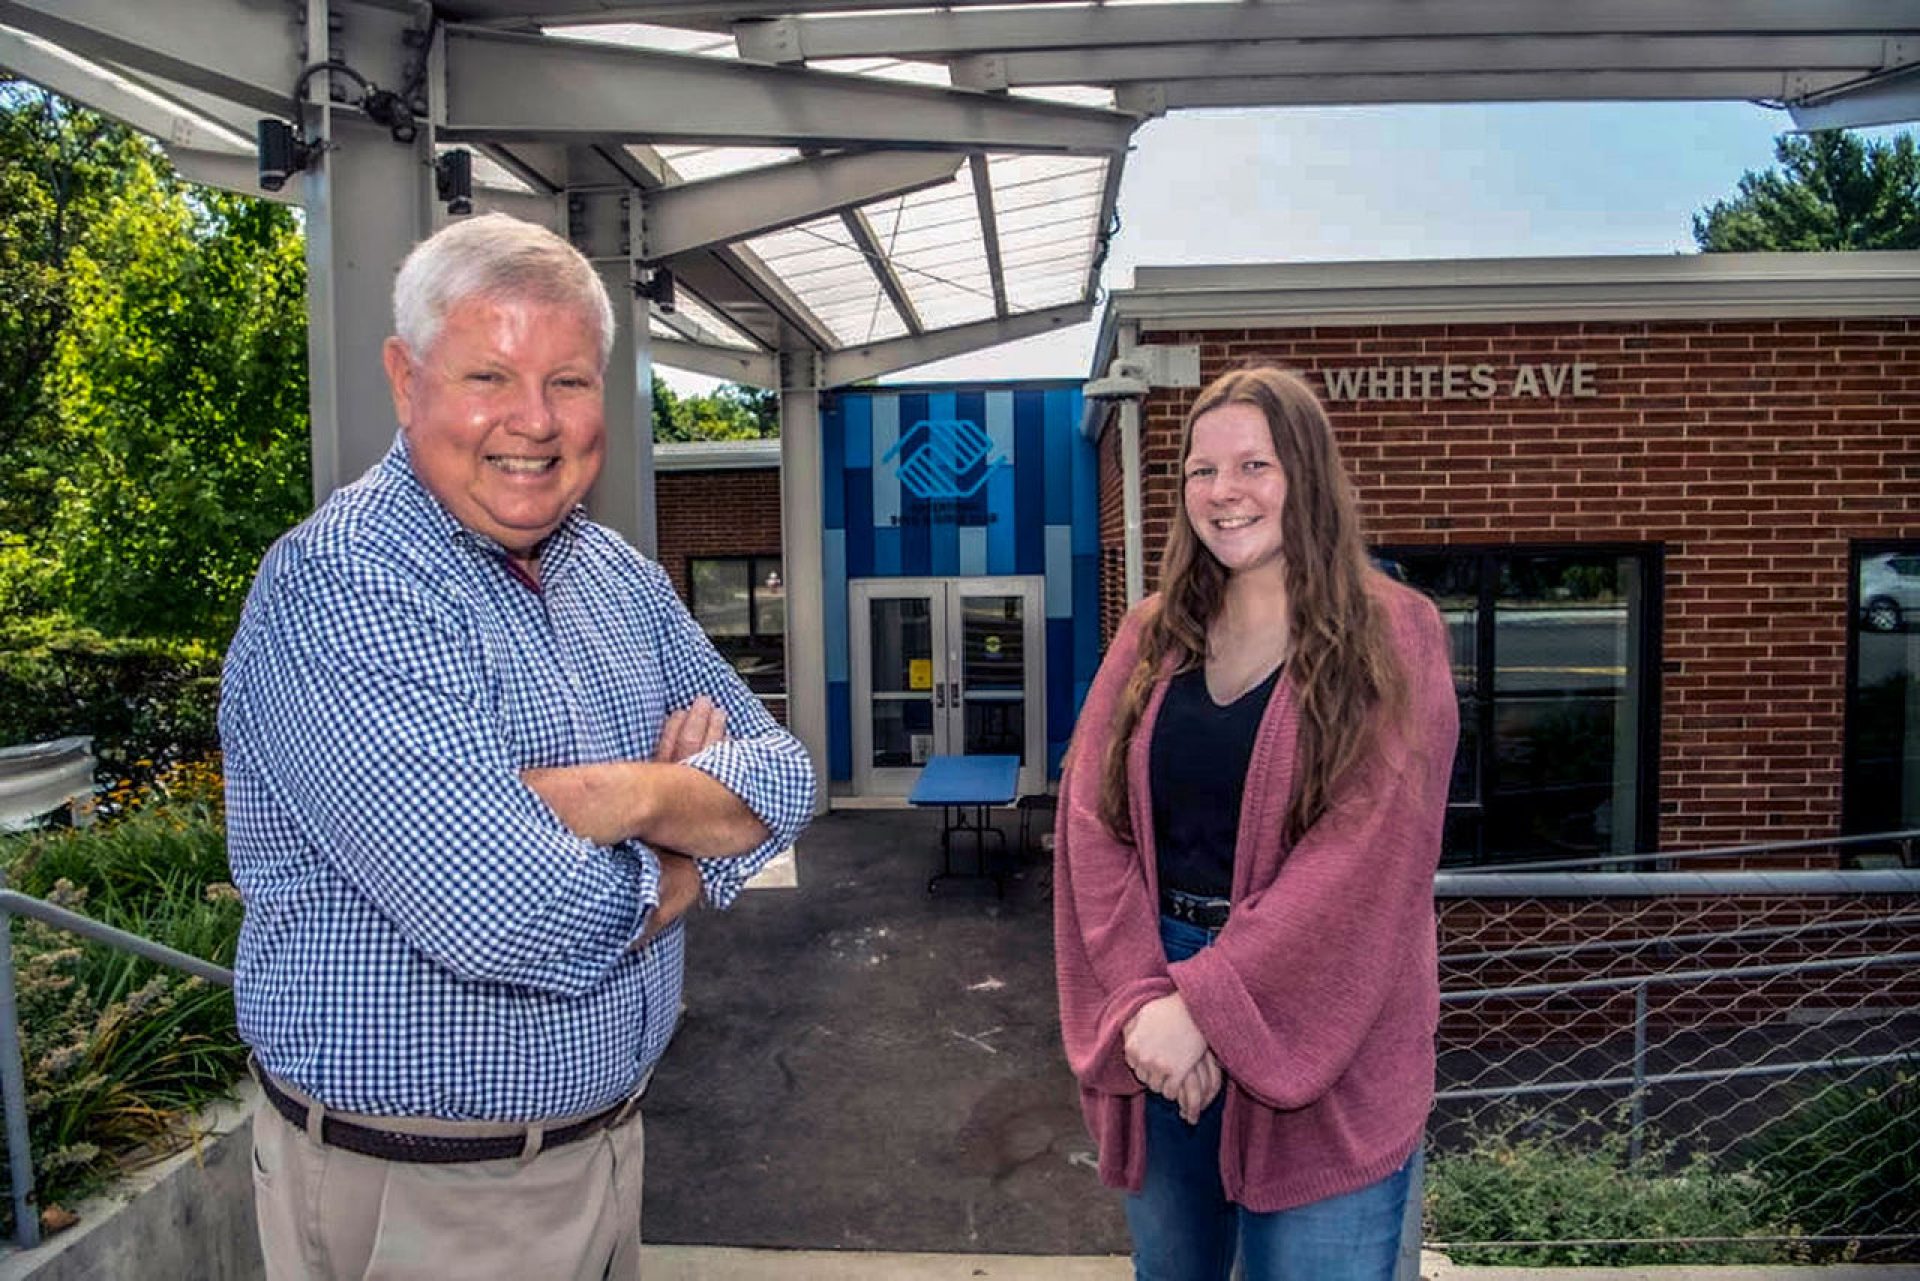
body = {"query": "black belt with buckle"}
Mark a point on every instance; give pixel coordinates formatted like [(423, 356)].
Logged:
[(1207, 913), (436, 1149)]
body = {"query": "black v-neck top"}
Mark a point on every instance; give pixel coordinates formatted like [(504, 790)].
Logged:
[(1197, 769)]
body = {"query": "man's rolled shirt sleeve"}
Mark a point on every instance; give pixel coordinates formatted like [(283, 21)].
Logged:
[(370, 722)]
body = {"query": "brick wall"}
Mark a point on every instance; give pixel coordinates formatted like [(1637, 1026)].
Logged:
[(1751, 450), (716, 513)]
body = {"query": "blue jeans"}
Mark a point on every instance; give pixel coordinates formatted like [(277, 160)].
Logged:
[(1185, 1229)]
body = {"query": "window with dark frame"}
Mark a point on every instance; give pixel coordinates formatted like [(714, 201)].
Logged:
[(741, 604), (1880, 774), (1556, 662)]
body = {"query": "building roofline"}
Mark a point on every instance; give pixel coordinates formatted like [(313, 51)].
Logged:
[(716, 455), (1519, 290)]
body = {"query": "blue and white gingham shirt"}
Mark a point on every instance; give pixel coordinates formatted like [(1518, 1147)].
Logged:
[(423, 937)]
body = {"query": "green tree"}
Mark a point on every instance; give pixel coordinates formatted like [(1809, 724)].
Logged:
[(1833, 190), (181, 392), (728, 412), (666, 411), (61, 168), (756, 407)]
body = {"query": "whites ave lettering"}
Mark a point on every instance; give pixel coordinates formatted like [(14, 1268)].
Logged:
[(1546, 380)]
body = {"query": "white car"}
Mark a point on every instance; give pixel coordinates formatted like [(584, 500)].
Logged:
[(1889, 590)]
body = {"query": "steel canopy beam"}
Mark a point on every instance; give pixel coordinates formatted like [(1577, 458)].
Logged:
[(715, 14), (235, 116), (1104, 229), (111, 94), (934, 34), (247, 53), (1080, 27), (989, 230), (229, 171), (502, 86), (736, 284), (1888, 100), (874, 359), (1859, 55), (880, 263), (1567, 86), (695, 215), (754, 368)]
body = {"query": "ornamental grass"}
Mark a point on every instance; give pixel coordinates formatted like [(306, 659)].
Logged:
[(119, 1052)]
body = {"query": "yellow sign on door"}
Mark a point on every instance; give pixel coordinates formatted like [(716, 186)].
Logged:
[(919, 673)]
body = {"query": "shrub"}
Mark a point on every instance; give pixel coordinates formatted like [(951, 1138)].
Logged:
[(147, 703), (1601, 1206), (118, 1051), (1845, 1161)]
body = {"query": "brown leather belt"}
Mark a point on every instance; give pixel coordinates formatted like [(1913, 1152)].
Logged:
[(434, 1149)]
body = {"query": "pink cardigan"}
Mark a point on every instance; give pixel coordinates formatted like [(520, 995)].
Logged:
[(1321, 996)]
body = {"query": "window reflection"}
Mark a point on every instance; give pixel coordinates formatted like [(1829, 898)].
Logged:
[(1546, 650), (1882, 778), (740, 602)]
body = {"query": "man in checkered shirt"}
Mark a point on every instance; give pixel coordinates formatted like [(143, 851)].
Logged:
[(479, 762)]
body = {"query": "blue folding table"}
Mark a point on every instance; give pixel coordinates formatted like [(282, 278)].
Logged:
[(959, 784)]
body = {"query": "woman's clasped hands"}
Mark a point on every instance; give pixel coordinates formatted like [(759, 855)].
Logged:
[(1168, 1052)]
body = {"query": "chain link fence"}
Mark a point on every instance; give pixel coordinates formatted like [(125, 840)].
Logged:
[(1678, 1067)]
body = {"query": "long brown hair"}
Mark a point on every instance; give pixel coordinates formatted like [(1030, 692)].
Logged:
[(1342, 663)]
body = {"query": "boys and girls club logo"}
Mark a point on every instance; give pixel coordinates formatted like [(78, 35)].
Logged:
[(944, 458)]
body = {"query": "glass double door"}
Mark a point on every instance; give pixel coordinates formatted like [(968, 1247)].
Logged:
[(946, 667)]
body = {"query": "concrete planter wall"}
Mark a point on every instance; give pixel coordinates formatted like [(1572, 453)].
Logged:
[(187, 1218)]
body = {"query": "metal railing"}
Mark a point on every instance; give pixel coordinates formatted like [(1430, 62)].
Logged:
[(1740, 1039), (13, 1083), (1651, 1006)]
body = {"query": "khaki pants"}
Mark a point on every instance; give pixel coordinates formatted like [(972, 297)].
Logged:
[(327, 1214)]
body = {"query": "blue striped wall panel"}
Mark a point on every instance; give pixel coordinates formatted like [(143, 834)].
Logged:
[(1000, 487), (1029, 485), (973, 551), (833, 508), (859, 509), (839, 731), (857, 432), (887, 558), (1049, 479), (885, 434), (833, 603), (1059, 702), (1086, 492), (1059, 469)]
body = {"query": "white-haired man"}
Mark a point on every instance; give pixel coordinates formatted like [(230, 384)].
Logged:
[(479, 760)]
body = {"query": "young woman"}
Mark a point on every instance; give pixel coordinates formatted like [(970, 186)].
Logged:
[(1243, 900)]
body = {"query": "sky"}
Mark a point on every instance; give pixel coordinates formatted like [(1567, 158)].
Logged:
[(1364, 183)]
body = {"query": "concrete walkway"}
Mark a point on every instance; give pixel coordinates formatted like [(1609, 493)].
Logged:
[(700, 1263)]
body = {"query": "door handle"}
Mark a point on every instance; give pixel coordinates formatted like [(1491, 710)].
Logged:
[(953, 692), (939, 694)]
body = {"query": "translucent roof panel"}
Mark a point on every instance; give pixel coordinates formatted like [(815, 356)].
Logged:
[(648, 36), (934, 241), (690, 164), (917, 73), (1048, 210), (930, 246), (1071, 95), (822, 263)]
